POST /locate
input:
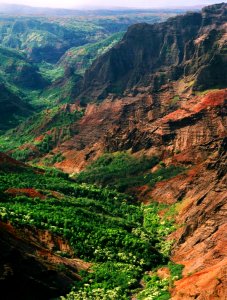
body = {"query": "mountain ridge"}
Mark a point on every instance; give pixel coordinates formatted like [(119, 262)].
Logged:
[(150, 56)]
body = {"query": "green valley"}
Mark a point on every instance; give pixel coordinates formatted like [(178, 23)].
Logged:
[(120, 237)]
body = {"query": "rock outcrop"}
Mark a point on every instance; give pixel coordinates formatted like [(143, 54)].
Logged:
[(201, 239)]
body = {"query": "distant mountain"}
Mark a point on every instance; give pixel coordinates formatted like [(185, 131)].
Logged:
[(40, 39), (46, 38), (84, 11)]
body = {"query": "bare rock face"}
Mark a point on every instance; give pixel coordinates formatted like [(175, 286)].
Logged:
[(192, 45), (201, 242), (160, 109), (143, 125)]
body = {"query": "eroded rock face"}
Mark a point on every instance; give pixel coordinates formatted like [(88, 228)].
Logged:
[(190, 131), (143, 125), (151, 82), (192, 45), (201, 242)]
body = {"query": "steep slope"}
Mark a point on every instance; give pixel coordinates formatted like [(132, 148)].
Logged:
[(29, 270), (7, 163), (162, 122), (142, 124), (12, 108), (80, 58), (173, 119), (17, 70), (30, 264), (41, 132), (191, 46), (200, 242), (30, 45), (41, 39), (52, 228)]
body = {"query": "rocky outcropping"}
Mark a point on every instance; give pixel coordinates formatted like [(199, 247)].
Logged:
[(159, 70), (163, 112)]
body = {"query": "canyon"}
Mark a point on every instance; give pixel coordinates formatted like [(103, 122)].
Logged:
[(161, 91)]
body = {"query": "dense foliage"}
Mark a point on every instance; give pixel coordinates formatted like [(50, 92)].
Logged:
[(122, 171), (82, 57), (51, 126), (41, 58), (121, 238)]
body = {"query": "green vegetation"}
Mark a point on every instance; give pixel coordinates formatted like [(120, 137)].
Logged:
[(175, 270), (175, 99), (41, 36), (82, 57), (122, 238), (51, 72), (17, 70), (42, 58), (56, 158), (122, 171), (61, 91), (13, 108), (157, 288), (51, 125)]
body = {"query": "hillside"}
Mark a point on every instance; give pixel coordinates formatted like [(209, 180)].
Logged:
[(190, 47), (13, 108), (40, 54), (81, 58), (121, 193), (71, 66), (47, 38), (181, 120), (163, 121), (17, 70), (63, 233)]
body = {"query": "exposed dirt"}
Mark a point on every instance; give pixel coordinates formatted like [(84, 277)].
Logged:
[(27, 192)]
